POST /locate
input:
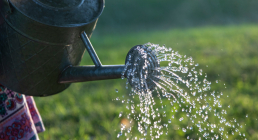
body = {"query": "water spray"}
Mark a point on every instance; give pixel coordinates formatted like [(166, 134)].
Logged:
[(41, 46), (141, 62)]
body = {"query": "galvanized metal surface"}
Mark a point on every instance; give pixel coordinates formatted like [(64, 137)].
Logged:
[(91, 73), (33, 54), (90, 50), (5, 6), (31, 67), (55, 26), (42, 43), (60, 13)]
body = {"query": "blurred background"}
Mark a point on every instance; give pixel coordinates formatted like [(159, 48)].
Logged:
[(220, 35)]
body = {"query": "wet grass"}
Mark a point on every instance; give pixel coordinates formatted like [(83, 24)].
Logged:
[(226, 53)]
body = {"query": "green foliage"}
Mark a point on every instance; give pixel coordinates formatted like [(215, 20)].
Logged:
[(122, 16), (226, 53), (90, 110)]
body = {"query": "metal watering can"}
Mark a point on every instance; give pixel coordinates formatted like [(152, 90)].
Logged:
[(42, 43)]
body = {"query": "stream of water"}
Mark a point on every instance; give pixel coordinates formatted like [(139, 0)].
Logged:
[(172, 90)]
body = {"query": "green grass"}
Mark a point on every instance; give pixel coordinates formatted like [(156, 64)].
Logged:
[(88, 110)]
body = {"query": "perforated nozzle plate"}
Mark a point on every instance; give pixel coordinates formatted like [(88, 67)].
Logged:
[(141, 68)]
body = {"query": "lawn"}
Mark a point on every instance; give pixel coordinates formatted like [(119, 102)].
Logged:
[(226, 53)]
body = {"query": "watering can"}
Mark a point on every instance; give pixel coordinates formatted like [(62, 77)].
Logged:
[(42, 43)]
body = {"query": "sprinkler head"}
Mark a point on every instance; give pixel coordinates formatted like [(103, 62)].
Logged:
[(141, 68)]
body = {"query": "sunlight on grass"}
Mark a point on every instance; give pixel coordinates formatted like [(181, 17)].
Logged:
[(226, 53)]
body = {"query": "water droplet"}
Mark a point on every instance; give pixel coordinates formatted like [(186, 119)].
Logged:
[(120, 114), (194, 103), (119, 134)]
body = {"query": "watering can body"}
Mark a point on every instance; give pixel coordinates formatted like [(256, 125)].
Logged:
[(39, 39)]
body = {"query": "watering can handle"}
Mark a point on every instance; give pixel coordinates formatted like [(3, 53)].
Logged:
[(90, 73), (90, 49)]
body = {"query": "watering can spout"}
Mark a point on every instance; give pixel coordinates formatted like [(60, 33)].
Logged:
[(40, 56), (91, 73)]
